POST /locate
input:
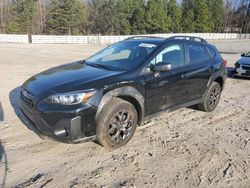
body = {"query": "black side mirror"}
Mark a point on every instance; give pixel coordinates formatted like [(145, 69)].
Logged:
[(162, 67), (243, 55)]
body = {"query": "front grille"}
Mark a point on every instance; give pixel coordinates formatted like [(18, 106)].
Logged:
[(246, 67), (27, 98)]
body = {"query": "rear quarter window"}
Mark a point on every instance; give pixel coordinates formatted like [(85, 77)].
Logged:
[(197, 54), (214, 53)]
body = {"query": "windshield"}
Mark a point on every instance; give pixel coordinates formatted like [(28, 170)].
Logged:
[(247, 54), (124, 55)]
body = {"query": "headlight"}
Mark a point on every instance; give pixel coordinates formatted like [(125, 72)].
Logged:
[(237, 65), (70, 98)]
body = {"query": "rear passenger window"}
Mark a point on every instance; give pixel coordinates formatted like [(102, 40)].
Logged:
[(197, 54)]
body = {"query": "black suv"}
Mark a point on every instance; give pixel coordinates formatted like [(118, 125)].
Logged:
[(105, 97)]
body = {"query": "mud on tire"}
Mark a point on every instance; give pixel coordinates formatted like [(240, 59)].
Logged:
[(211, 99), (116, 123)]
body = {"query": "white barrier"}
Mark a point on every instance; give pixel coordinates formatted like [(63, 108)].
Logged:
[(60, 39), (98, 39), (6, 38)]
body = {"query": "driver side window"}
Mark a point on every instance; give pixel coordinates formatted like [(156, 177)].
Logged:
[(173, 54)]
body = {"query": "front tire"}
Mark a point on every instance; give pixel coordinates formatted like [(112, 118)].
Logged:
[(116, 123), (211, 99)]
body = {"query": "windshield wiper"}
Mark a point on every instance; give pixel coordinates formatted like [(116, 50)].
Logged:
[(98, 66)]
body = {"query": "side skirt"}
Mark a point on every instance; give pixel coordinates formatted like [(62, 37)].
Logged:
[(184, 105)]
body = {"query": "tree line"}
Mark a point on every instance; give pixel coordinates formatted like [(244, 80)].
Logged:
[(122, 17)]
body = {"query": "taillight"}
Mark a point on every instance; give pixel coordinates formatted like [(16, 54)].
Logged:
[(224, 62)]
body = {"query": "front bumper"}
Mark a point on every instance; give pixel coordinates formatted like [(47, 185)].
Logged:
[(240, 71), (70, 126)]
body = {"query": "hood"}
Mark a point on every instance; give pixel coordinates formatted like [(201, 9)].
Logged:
[(244, 60), (66, 78)]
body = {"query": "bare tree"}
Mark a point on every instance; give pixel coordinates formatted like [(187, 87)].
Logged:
[(42, 14), (2, 28)]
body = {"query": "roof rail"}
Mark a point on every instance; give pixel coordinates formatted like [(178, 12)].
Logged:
[(198, 39), (143, 36)]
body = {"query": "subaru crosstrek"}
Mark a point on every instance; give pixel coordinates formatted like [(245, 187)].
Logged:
[(106, 96)]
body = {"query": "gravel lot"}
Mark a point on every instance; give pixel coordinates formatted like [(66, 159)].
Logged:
[(185, 148)]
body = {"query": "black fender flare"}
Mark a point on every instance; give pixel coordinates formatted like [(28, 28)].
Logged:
[(126, 91), (216, 77)]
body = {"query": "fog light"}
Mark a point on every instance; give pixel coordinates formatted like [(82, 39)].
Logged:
[(62, 132)]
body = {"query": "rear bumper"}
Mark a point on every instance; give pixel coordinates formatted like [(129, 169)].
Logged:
[(76, 126)]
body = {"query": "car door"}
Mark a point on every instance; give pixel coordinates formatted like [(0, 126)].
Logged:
[(200, 69), (166, 89)]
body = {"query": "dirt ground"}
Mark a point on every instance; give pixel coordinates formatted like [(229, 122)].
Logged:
[(185, 148)]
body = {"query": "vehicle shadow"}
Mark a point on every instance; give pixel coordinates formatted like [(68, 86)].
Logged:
[(230, 71), (3, 165), (14, 101), (1, 113), (13, 97)]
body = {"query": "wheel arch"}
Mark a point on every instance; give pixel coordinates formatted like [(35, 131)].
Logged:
[(135, 103), (220, 81), (127, 93), (217, 78)]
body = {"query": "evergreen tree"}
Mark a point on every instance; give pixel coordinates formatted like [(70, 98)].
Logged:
[(67, 17), (157, 21), (12, 27), (203, 22), (106, 20), (123, 17), (112, 16), (108, 17), (23, 11), (124, 13), (137, 21), (94, 25), (196, 16), (216, 15), (188, 16), (174, 12), (128, 16)]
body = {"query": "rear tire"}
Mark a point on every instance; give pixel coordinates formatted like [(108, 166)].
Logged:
[(116, 123), (211, 99)]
